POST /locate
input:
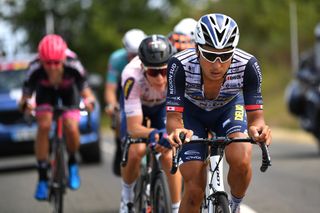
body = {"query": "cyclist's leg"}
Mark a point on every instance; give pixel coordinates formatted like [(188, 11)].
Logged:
[(193, 169), (194, 175), (44, 120), (71, 127), (158, 117), (238, 155), (131, 171), (42, 152), (71, 118)]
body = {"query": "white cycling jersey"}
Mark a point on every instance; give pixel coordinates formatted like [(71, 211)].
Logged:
[(137, 90)]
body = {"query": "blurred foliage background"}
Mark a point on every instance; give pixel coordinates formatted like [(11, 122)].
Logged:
[(94, 28)]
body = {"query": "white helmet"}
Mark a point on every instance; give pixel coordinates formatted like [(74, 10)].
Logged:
[(186, 26), (132, 39), (317, 31), (217, 30)]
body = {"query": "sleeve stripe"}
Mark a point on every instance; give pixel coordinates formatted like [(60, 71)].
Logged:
[(174, 109), (254, 107)]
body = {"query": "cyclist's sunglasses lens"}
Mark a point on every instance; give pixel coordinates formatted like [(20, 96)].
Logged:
[(212, 56), (155, 72), (52, 62)]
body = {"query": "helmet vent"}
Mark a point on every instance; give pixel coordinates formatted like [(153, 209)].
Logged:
[(206, 35), (212, 20), (220, 34)]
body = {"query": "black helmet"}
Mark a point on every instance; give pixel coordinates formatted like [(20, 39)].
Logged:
[(155, 50)]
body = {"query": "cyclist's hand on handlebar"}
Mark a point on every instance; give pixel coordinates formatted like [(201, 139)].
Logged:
[(89, 103), (155, 136), (111, 109), (261, 134), (25, 106), (174, 137)]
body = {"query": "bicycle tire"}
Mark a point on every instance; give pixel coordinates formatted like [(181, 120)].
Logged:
[(141, 196), (161, 199), (58, 176), (220, 204)]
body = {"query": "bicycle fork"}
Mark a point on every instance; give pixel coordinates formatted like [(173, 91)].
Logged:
[(215, 182)]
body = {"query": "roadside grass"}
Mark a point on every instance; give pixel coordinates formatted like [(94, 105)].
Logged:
[(275, 81)]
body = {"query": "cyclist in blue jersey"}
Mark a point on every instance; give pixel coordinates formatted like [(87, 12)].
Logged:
[(215, 87), (117, 61), (56, 73), (182, 36)]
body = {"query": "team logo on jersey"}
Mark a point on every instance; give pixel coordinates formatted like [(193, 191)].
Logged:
[(239, 113), (128, 87)]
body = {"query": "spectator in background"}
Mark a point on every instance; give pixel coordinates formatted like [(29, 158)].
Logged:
[(117, 61), (311, 58), (302, 93)]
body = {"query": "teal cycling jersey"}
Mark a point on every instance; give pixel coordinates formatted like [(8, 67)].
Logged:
[(117, 61)]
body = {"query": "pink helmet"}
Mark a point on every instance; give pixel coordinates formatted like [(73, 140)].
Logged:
[(52, 48)]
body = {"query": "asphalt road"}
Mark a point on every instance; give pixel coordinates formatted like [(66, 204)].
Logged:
[(292, 184)]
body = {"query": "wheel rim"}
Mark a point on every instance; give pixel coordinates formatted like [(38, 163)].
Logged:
[(160, 206)]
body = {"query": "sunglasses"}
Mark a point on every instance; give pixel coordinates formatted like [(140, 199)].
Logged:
[(155, 71), (213, 56), (52, 62)]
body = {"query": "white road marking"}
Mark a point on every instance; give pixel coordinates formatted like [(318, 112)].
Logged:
[(246, 209)]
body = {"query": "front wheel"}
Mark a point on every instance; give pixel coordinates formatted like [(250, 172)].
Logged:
[(57, 200), (161, 199), (221, 204), (140, 194)]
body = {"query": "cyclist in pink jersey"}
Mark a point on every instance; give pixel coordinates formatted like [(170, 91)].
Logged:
[(56, 74)]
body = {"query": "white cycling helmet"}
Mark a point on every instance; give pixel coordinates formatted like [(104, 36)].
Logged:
[(132, 39), (317, 31), (186, 26), (217, 30)]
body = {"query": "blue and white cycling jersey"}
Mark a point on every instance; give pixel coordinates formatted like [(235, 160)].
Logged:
[(185, 82), (224, 115)]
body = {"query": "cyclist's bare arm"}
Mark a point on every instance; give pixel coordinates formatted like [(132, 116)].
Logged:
[(257, 127), (110, 97), (23, 103), (135, 127), (175, 127), (88, 97)]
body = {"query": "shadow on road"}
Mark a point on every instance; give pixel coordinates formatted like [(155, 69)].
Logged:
[(16, 168)]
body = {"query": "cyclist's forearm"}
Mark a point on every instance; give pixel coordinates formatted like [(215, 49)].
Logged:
[(136, 129), (174, 121), (110, 94), (25, 97), (256, 118), (87, 94)]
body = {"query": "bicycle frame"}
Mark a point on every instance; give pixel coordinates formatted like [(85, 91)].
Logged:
[(151, 172), (58, 179), (215, 195), (215, 181)]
